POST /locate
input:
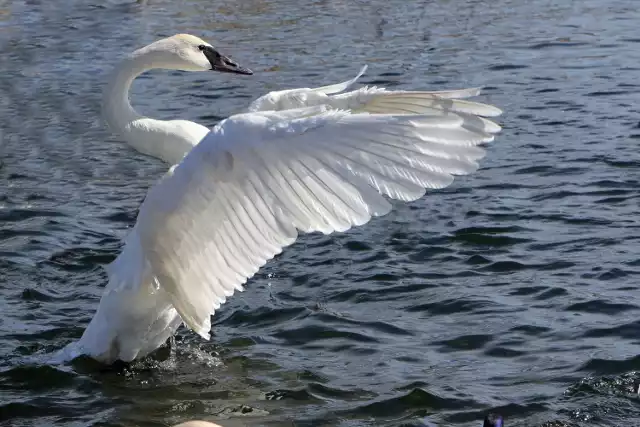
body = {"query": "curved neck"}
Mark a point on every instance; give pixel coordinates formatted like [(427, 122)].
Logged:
[(117, 110), (168, 140)]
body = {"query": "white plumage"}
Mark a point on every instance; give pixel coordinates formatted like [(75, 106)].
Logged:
[(298, 160)]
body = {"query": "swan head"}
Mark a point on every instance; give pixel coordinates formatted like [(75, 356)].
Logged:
[(188, 53)]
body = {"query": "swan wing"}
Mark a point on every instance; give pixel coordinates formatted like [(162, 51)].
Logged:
[(376, 100), (302, 97), (340, 87), (245, 191)]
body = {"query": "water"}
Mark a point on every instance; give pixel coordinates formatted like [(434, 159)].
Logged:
[(514, 290)]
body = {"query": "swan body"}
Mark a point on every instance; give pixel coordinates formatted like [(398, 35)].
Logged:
[(301, 160)]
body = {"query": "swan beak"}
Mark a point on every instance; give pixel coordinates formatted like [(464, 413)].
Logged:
[(224, 64)]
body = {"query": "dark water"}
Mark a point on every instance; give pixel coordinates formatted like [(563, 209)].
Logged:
[(514, 290)]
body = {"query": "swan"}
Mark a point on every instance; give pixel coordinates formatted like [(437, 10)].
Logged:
[(302, 160), (171, 140)]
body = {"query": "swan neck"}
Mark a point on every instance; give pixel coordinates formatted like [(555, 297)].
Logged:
[(167, 140), (117, 109)]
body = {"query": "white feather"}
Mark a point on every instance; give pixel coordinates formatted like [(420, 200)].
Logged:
[(301, 97), (238, 197)]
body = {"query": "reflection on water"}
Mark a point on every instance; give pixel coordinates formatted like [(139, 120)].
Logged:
[(513, 290)]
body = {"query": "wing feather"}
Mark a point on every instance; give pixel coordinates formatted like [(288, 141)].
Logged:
[(340, 87), (301, 97), (243, 193), (381, 101)]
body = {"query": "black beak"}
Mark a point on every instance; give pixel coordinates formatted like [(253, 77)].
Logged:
[(222, 63)]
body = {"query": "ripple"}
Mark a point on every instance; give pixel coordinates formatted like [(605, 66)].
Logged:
[(312, 333), (263, 316), (600, 306), (531, 330), (607, 93), (505, 266), (377, 326), (81, 259), (50, 334), (429, 253), (315, 391), (493, 236), (36, 378), (552, 293), (415, 402), (15, 214), (301, 395), (507, 67), (34, 408), (627, 330), (549, 45), (36, 295), (386, 293), (613, 274), (503, 352), (450, 306), (378, 277), (466, 342)]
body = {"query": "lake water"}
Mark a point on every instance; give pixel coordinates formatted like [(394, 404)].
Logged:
[(515, 290)]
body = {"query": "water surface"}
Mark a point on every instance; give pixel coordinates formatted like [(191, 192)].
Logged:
[(514, 290)]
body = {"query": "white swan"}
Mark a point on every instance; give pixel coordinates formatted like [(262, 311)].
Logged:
[(304, 159)]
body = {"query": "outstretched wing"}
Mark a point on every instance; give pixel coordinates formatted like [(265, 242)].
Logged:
[(375, 100), (245, 191), (302, 97)]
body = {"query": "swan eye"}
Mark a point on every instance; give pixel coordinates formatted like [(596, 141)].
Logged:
[(201, 47)]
